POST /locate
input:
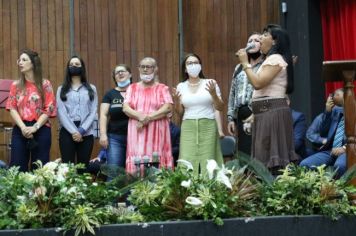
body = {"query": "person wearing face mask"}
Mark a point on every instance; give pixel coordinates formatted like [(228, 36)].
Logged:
[(77, 109), (196, 99), (147, 103), (31, 102), (240, 97), (113, 121), (272, 128)]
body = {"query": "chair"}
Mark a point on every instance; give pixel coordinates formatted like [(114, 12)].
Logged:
[(228, 144)]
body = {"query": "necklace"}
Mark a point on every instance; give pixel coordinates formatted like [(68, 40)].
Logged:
[(194, 84)]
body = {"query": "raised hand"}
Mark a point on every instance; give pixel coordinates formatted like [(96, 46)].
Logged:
[(329, 104), (176, 96), (211, 88)]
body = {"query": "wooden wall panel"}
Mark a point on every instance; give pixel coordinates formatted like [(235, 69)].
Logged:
[(42, 25), (216, 29), (114, 32), (109, 32)]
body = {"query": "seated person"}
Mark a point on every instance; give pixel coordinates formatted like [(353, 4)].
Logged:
[(2, 165), (299, 129), (333, 152), (315, 135), (175, 138), (94, 164)]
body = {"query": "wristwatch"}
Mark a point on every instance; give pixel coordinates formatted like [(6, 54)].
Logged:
[(37, 126)]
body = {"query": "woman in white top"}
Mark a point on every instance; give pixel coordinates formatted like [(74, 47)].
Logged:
[(272, 130), (197, 99)]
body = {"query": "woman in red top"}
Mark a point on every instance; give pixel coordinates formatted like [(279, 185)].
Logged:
[(31, 102)]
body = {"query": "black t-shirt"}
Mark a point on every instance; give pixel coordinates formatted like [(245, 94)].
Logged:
[(118, 120)]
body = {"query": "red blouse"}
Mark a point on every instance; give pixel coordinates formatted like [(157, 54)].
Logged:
[(28, 102)]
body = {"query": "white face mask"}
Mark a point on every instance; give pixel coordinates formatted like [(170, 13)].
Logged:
[(147, 78), (193, 70)]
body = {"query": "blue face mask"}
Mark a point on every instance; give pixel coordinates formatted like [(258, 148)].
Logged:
[(124, 83)]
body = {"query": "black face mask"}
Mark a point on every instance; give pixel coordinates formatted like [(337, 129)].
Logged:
[(75, 71), (254, 55)]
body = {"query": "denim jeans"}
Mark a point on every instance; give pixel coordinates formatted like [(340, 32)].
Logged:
[(21, 153), (324, 157), (117, 150)]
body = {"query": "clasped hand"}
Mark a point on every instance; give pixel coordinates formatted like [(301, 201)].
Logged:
[(77, 137), (28, 132), (142, 121)]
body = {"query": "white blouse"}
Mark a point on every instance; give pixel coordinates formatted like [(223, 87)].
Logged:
[(197, 105)]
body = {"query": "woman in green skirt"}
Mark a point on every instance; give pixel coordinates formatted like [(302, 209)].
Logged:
[(197, 99)]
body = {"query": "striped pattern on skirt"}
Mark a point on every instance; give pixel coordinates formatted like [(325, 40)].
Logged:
[(199, 142)]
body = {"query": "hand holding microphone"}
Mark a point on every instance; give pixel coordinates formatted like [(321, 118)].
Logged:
[(242, 53)]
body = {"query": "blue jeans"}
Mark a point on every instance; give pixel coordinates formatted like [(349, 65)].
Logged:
[(324, 157), (117, 150), (21, 153)]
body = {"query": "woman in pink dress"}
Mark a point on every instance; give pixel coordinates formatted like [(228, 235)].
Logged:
[(147, 103)]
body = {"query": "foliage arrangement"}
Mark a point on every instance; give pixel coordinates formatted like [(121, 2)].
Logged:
[(182, 194), (55, 195), (298, 191)]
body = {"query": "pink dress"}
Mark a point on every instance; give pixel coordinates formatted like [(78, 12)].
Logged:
[(155, 136)]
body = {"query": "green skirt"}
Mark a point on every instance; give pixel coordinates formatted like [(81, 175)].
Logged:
[(199, 142)]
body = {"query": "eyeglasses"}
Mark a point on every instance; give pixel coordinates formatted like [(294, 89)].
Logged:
[(120, 72), (192, 63), (148, 67)]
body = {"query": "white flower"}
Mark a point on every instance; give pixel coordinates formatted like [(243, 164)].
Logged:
[(21, 198), (225, 170), (95, 184), (29, 178), (51, 166), (40, 191), (72, 190), (222, 178), (211, 166), (186, 184), (186, 164), (194, 201), (62, 172)]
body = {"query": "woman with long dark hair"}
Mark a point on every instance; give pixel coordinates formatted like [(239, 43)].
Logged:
[(272, 130), (197, 99), (77, 110), (31, 102)]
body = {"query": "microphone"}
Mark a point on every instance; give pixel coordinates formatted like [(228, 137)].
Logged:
[(250, 46)]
